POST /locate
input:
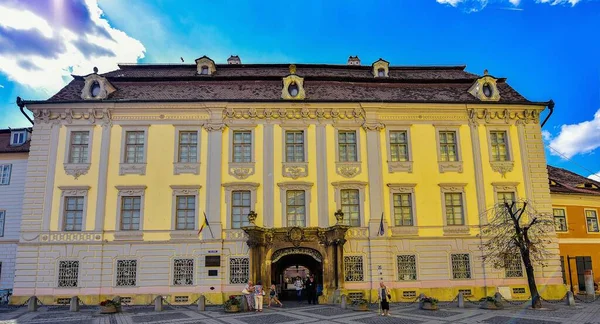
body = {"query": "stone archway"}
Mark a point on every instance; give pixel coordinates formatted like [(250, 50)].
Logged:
[(327, 242)]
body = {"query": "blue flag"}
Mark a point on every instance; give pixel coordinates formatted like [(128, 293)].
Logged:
[(381, 228)]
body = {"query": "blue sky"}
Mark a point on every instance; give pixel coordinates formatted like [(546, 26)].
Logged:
[(547, 49)]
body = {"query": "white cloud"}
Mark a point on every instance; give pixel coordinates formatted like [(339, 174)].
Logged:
[(546, 135), (594, 176), (453, 3), (515, 2), (52, 48), (577, 138), (557, 2), (477, 5)]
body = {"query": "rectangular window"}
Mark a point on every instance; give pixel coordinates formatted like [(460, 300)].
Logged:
[(130, 213), (18, 138), (448, 146), (454, 208), (295, 208), (186, 212), (507, 196), (242, 146), (239, 270), (560, 220), (347, 146), (188, 147), (513, 267), (403, 214), (591, 218), (78, 150), (499, 144), (399, 146), (461, 266), (350, 206), (68, 273), (134, 146), (126, 273), (240, 207), (294, 146), (183, 272), (353, 268), (73, 213), (5, 174), (2, 220), (407, 267)]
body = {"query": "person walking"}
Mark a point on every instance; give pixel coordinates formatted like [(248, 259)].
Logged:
[(258, 296), (249, 294), (298, 284), (273, 297), (384, 299), (311, 290)]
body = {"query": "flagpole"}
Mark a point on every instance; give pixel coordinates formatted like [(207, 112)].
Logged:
[(208, 224)]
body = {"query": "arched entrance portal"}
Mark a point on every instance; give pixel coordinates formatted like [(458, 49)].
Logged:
[(289, 263)]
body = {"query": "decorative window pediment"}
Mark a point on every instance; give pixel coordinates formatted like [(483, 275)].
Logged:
[(96, 87), (293, 86), (485, 88), (381, 68), (205, 66)]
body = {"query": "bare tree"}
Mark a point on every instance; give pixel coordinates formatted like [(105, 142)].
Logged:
[(517, 229)]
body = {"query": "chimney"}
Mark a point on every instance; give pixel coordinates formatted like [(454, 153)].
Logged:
[(353, 60), (234, 59)]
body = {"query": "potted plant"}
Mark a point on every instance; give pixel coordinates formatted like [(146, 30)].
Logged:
[(360, 305), (109, 306), (490, 302), (232, 305), (428, 303)]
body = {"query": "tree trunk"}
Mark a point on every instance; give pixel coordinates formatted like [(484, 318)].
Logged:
[(535, 295)]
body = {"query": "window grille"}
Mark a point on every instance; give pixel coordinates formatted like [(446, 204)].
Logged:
[(183, 272), (560, 220), (239, 270), (63, 301), (126, 273), (409, 294), (398, 146), (448, 148), (461, 266), (512, 265), (347, 146), (294, 146), (518, 291), (126, 300), (454, 208), (407, 267), (356, 295), (353, 268), (466, 292), (403, 209), (188, 147), (240, 207), (592, 220), (182, 299), (350, 206), (242, 146), (186, 212), (130, 213), (68, 273), (134, 146), (499, 143), (73, 213), (5, 174), (78, 152), (295, 208)]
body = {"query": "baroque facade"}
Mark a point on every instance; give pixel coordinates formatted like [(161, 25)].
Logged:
[(291, 165)]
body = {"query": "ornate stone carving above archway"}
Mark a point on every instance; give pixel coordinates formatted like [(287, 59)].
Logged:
[(296, 250)]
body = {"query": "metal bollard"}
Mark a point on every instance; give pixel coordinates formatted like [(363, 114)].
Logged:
[(74, 305), (461, 300), (570, 298), (498, 297), (32, 305), (202, 303), (344, 304), (158, 304)]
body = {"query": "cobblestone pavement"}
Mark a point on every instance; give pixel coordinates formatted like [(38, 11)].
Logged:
[(294, 313)]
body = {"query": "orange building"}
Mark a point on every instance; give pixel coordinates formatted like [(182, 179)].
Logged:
[(576, 208)]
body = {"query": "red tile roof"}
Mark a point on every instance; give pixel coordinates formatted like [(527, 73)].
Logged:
[(566, 182), (5, 146)]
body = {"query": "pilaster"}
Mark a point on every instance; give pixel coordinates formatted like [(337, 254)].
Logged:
[(478, 166), (213, 179), (51, 162), (322, 181), (374, 165), (268, 180), (102, 177)]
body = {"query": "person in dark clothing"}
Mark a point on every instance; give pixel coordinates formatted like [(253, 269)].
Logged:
[(311, 290)]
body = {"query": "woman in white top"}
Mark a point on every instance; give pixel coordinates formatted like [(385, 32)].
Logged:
[(299, 284), (250, 296), (258, 296)]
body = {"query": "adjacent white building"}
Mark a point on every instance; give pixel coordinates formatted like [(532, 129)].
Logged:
[(14, 151)]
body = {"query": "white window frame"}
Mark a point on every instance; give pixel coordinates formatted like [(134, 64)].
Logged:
[(399, 166), (294, 170), (403, 188), (2, 222), (185, 190), (230, 187), (186, 167), (564, 209), (299, 186), (133, 168), (73, 191), (130, 191), (454, 188), (587, 228), (19, 133), (5, 181), (349, 169), (242, 170), (449, 166), (360, 186), (500, 166), (78, 169)]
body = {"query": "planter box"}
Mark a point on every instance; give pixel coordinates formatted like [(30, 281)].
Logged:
[(428, 306), (108, 309), (490, 305)]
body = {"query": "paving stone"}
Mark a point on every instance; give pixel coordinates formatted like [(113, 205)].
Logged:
[(428, 313), (158, 317), (513, 320), (267, 319), (52, 315), (330, 311), (386, 320)]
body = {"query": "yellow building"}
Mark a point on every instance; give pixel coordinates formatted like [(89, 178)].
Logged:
[(125, 165), (576, 205)]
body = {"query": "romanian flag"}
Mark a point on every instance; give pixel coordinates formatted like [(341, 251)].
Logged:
[(203, 224)]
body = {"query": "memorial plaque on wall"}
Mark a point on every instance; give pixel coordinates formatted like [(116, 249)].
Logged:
[(213, 273), (212, 261)]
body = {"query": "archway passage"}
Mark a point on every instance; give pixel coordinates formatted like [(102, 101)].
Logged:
[(286, 268)]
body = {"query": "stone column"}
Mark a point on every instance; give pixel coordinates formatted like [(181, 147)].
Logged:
[(214, 180), (322, 181), (51, 163), (374, 165), (268, 177), (102, 177), (478, 166)]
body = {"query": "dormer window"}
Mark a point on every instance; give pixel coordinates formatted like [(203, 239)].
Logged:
[(381, 73), (204, 70), (205, 66), (587, 185), (293, 86), (293, 89), (487, 90), (95, 89), (18, 137), (381, 68)]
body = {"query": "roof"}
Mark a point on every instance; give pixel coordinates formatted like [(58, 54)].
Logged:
[(263, 83), (566, 182), (5, 146)]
